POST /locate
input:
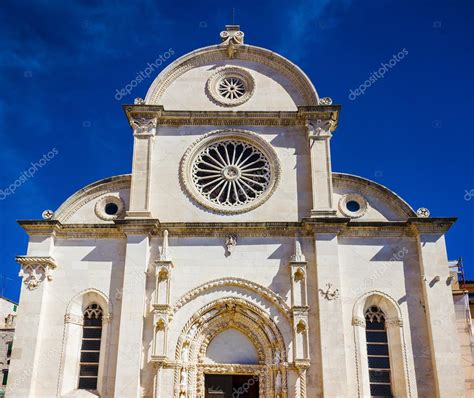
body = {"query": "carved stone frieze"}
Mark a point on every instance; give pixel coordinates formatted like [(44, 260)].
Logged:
[(34, 270)]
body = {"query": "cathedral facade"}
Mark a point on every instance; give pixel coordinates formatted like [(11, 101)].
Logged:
[(232, 261)]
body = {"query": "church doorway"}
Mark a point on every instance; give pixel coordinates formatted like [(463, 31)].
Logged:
[(231, 386)]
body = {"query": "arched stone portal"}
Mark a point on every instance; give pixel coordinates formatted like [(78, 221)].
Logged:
[(212, 320)]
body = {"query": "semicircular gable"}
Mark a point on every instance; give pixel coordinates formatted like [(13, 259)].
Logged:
[(382, 203), (80, 205), (288, 85)]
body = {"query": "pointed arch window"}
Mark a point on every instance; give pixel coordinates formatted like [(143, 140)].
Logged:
[(378, 353), (90, 348)]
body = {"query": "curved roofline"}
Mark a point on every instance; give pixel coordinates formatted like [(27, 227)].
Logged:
[(178, 67), (69, 202), (405, 206)]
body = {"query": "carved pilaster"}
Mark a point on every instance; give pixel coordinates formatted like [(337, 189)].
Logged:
[(144, 131), (302, 368), (319, 136), (35, 270)]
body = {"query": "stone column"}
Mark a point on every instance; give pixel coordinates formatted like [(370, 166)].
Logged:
[(319, 136), (440, 316), (331, 320), (130, 344), (144, 131), (29, 355)]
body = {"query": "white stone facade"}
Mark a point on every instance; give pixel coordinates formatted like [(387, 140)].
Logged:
[(272, 278)]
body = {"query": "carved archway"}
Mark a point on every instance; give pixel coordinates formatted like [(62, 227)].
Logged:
[(213, 319), (262, 291)]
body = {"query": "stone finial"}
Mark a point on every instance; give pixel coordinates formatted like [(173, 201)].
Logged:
[(423, 212), (298, 256), (232, 34), (231, 37), (47, 214), (165, 251)]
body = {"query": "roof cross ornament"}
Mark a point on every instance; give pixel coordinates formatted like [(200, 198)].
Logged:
[(231, 37)]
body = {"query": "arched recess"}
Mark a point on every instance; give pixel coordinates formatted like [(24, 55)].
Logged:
[(215, 318), (401, 383), (72, 339)]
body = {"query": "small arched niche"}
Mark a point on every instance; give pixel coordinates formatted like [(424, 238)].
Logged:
[(231, 347)]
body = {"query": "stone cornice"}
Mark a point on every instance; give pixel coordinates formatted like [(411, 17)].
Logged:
[(36, 260), (307, 227), (439, 225), (231, 118)]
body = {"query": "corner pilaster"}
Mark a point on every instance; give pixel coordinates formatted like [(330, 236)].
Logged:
[(129, 356), (31, 328), (331, 319), (440, 315)]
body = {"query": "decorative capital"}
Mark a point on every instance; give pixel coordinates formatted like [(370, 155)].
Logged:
[(356, 321), (302, 364), (34, 270), (320, 129), (394, 322), (144, 127), (76, 319)]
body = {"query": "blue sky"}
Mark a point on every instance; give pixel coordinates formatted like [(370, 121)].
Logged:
[(62, 62)]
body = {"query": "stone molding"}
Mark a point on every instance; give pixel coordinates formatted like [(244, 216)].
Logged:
[(262, 291), (344, 227), (34, 270), (232, 118)]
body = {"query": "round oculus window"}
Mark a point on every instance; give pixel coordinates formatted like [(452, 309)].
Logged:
[(109, 207), (230, 171), (353, 205), (230, 86)]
